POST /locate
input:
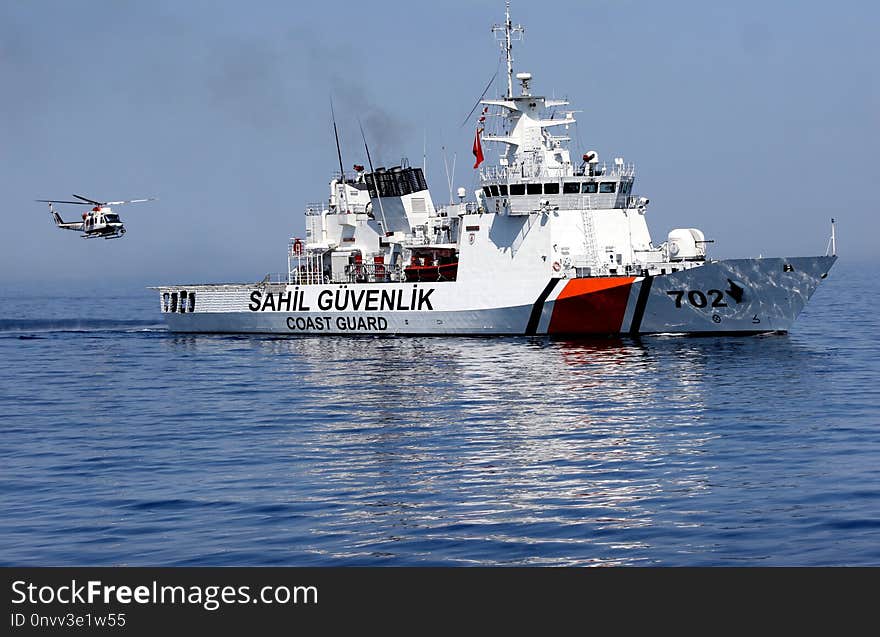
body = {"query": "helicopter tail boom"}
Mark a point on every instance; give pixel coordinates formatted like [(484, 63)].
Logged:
[(61, 223)]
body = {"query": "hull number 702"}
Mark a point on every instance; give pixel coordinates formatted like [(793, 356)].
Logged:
[(698, 298)]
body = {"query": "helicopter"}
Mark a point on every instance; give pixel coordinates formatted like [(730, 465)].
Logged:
[(100, 221)]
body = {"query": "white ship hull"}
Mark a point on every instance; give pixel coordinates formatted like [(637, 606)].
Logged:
[(722, 297)]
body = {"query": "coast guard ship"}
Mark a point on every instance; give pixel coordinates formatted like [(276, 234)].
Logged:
[(550, 245)]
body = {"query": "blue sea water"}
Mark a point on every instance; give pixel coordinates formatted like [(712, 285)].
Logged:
[(124, 444)]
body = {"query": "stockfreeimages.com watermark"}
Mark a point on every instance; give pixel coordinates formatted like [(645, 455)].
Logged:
[(208, 597)]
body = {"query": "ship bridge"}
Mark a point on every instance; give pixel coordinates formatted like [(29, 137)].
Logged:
[(535, 172)]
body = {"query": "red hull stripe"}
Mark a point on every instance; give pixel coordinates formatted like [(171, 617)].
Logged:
[(591, 306)]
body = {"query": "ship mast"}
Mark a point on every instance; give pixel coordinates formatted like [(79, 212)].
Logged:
[(510, 33)]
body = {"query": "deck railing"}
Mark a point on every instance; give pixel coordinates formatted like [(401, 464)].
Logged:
[(522, 172)]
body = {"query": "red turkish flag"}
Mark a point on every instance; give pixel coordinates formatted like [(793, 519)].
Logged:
[(478, 149)]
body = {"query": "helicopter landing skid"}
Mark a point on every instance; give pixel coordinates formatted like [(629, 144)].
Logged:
[(103, 236)]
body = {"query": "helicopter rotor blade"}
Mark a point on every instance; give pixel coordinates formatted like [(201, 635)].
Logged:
[(91, 201), (78, 203), (119, 203)]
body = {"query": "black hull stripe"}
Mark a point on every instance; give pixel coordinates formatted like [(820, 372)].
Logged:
[(641, 303), (538, 307)]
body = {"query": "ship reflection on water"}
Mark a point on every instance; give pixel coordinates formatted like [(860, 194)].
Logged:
[(480, 450), (517, 451)]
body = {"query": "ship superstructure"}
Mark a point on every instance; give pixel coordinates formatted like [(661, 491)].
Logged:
[(548, 245)]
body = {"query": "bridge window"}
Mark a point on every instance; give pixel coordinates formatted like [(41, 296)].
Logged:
[(607, 186), (486, 191), (192, 302), (517, 189), (174, 301), (571, 188), (551, 189), (494, 190), (590, 187), (165, 300), (502, 188), (183, 302), (533, 189)]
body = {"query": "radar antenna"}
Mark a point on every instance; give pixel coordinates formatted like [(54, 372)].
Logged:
[(338, 150), (375, 179), (511, 33)]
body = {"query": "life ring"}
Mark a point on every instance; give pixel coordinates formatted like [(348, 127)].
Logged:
[(556, 266)]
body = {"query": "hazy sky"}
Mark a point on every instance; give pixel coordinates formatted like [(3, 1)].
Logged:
[(755, 121)]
